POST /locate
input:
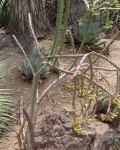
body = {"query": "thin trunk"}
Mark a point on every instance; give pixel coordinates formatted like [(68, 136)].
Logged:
[(77, 11), (19, 15)]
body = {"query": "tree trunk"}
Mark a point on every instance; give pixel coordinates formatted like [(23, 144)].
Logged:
[(19, 15), (77, 11)]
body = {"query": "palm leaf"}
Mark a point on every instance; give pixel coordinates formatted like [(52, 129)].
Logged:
[(3, 66), (7, 107)]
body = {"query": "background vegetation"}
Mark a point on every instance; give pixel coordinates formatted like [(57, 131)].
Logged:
[(99, 17)]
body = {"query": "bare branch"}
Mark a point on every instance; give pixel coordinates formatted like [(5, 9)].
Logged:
[(96, 104), (22, 120), (34, 36), (20, 46), (32, 31), (53, 84), (49, 87), (80, 65), (109, 104), (105, 69), (31, 130), (69, 34), (105, 58), (65, 56)]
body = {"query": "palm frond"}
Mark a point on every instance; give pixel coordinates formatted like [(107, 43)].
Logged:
[(7, 106), (4, 65)]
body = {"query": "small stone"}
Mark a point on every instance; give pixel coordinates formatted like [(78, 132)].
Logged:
[(68, 125), (58, 131)]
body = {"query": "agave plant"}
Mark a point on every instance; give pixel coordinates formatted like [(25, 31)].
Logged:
[(7, 107), (93, 40), (34, 60)]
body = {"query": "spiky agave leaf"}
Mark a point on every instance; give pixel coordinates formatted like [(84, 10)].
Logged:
[(93, 32), (93, 40), (76, 34), (34, 60)]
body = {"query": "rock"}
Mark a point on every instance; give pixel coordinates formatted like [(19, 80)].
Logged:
[(58, 131), (68, 125), (107, 140), (99, 127), (57, 134)]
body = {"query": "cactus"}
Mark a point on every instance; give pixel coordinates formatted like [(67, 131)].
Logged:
[(34, 60)]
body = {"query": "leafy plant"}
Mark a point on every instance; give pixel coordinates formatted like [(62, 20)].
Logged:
[(77, 127), (34, 60)]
